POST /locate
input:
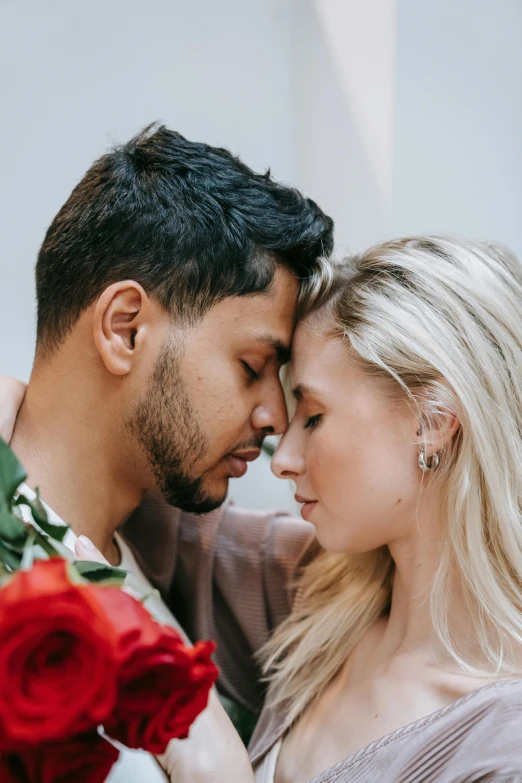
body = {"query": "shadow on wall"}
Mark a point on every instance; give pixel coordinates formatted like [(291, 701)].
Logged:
[(333, 163)]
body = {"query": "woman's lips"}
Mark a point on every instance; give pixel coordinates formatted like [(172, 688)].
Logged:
[(308, 506)]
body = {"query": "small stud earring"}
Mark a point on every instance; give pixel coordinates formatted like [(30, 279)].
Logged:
[(423, 464)]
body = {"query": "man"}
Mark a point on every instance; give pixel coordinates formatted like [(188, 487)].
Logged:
[(168, 286)]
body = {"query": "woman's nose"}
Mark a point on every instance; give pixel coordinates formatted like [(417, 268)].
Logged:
[(287, 463)]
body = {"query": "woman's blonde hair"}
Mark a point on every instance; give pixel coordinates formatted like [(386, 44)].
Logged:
[(440, 319)]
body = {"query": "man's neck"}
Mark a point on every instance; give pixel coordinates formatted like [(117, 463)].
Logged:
[(69, 455)]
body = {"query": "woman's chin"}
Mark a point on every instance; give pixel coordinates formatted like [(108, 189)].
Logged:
[(307, 510), (337, 542)]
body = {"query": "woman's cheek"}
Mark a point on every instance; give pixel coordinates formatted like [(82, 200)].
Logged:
[(326, 465)]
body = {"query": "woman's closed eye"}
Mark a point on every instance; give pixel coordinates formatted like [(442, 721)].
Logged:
[(313, 421)]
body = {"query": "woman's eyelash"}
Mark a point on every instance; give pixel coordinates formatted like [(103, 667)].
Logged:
[(253, 374), (313, 421)]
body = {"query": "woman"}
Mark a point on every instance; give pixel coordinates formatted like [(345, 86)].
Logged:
[(401, 656)]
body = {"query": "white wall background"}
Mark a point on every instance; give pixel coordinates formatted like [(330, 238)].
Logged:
[(458, 119), (395, 115)]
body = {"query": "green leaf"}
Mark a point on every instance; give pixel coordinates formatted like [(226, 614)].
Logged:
[(5, 575), (39, 553), (9, 558), (12, 473), (57, 549), (56, 532), (36, 506), (100, 572), (28, 553), (12, 530), (50, 547)]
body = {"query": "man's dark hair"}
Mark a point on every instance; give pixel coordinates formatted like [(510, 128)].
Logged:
[(187, 221)]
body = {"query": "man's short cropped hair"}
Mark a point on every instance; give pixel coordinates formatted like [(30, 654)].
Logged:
[(191, 223)]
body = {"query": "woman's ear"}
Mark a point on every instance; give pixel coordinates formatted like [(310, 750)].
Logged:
[(119, 322), (438, 422)]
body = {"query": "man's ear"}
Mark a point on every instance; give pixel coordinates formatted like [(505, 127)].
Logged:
[(119, 324)]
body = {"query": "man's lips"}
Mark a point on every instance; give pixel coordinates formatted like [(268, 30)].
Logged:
[(308, 505), (237, 461)]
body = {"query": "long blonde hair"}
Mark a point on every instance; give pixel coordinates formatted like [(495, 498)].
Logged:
[(440, 319)]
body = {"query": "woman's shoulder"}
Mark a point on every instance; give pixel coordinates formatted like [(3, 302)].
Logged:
[(479, 737), (476, 738), (503, 696)]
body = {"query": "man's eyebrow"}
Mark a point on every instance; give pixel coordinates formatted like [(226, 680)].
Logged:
[(301, 389), (282, 352)]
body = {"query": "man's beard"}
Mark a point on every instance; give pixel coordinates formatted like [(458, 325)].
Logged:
[(165, 425)]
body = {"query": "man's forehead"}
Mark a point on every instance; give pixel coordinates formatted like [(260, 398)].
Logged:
[(265, 319)]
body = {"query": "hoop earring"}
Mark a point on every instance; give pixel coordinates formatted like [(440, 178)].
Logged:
[(423, 464)]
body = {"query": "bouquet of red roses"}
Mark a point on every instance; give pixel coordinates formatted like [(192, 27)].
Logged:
[(81, 662)]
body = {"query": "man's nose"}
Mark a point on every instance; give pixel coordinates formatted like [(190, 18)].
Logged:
[(271, 417)]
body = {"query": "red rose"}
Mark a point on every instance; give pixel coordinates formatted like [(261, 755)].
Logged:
[(85, 759), (58, 658), (11, 770), (163, 684), (184, 683)]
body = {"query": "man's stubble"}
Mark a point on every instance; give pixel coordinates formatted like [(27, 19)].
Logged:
[(165, 425)]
